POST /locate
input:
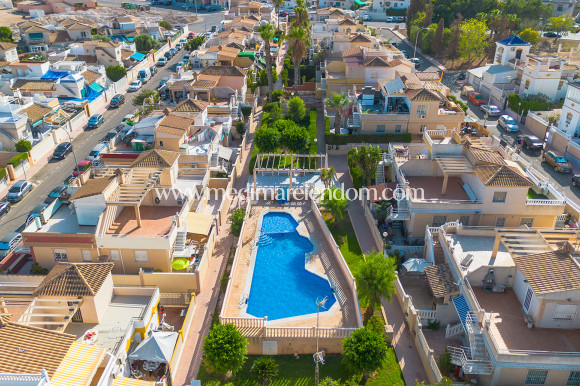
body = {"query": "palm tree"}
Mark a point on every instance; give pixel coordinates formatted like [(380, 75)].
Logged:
[(299, 43), (277, 5), (335, 202), (301, 18), (374, 280), (337, 102), (326, 176), (267, 33)]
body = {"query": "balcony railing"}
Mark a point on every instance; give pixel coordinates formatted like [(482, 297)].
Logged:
[(548, 202)]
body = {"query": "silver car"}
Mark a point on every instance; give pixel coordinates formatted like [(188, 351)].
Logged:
[(490, 110)]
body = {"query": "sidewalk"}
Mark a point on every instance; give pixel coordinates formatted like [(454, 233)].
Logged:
[(405, 348), (207, 299)]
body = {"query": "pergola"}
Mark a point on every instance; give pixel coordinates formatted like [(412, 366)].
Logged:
[(275, 163), (520, 242), (452, 166), (39, 312)]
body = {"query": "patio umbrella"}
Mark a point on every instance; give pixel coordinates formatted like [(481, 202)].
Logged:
[(179, 264), (158, 347), (416, 265), (469, 119)]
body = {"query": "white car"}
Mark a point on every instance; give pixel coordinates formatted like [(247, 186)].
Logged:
[(135, 85)]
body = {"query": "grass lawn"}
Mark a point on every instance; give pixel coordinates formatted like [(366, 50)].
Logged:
[(533, 195)]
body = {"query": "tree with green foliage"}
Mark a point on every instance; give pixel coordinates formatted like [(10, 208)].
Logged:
[(375, 279), (282, 124), (443, 382), (101, 38), (529, 12), (472, 39), (364, 351), (145, 43), (264, 369), (165, 24), (6, 35), (144, 94), (329, 382), (428, 19), (237, 220), (195, 43), (284, 75), (301, 17), (454, 38), (334, 201), (366, 158), (267, 34), (296, 109), (376, 324), (23, 145), (444, 362), (250, 81), (561, 25), (277, 95), (299, 41), (529, 35), (277, 4), (295, 139), (437, 41), (115, 73), (326, 176), (267, 139), (382, 210), (415, 6), (224, 349), (337, 102), (240, 127)]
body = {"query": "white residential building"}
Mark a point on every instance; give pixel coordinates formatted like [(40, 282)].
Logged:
[(570, 116)]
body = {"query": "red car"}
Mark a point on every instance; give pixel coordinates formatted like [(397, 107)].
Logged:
[(476, 98), (191, 35)]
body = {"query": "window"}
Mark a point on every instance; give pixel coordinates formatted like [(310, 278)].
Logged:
[(499, 196), (528, 300), (83, 34), (60, 255), (421, 109), (573, 379), (115, 255), (529, 221), (86, 255), (569, 117), (560, 85), (160, 143), (565, 312), (397, 128), (381, 128), (141, 257), (527, 85), (374, 74), (464, 220), (500, 222), (536, 377), (439, 220), (560, 8)]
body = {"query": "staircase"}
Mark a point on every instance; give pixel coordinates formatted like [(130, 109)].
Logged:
[(264, 240), (380, 174), (180, 240), (401, 212), (453, 330), (214, 160), (473, 359), (355, 120), (438, 253)]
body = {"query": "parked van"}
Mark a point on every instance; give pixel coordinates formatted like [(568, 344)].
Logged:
[(144, 75), (82, 168), (95, 154)]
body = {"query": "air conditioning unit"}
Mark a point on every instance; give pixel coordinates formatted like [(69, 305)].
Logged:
[(422, 116)]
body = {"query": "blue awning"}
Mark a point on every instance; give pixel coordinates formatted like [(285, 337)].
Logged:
[(54, 75), (462, 308), (96, 87), (138, 56)]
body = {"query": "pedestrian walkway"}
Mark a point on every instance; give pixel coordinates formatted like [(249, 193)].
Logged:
[(208, 297), (405, 348)]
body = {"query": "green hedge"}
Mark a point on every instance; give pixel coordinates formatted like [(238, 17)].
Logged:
[(397, 12), (18, 159), (337, 139), (326, 125), (514, 103), (2, 173), (312, 131), (459, 102), (255, 151)]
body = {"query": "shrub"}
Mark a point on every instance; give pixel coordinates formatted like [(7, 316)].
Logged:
[(165, 24), (522, 106), (264, 369), (376, 324), (296, 109), (23, 146), (312, 131), (145, 43), (326, 125), (18, 159), (396, 11), (364, 351), (295, 138), (2, 173), (246, 111), (224, 349), (277, 94), (240, 127), (237, 219), (38, 270), (268, 107), (337, 139), (115, 73), (433, 324), (444, 361), (267, 139)]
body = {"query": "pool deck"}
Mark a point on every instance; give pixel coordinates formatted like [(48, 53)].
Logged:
[(321, 262)]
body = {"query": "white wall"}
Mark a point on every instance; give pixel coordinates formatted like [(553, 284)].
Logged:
[(89, 209)]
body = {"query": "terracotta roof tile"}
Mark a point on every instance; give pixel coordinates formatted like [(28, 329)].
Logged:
[(191, 105), (155, 158), (422, 95), (92, 187), (91, 76), (204, 84), (6, 46), (347, 21), (360, 38), (98, 43), (487, 156), (547, 272), (350, 52), (501, 176), (441, 280), (376, 62), (36, 112), (74, 279), (224, 71), (59, 36), (174, 124), (33, 85)]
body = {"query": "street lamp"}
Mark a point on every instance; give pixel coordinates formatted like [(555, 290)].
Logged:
[(417, 37)]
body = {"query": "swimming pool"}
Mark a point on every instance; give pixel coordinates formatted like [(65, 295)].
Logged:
[(281, 286)]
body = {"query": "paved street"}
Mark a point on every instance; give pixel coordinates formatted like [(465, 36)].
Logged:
[(55, 172)]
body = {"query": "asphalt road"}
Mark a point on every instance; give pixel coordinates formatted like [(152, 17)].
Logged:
[(55, 172)]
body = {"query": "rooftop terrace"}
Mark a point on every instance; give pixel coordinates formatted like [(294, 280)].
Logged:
[(432, 188), (155, 220), (64, 220), (479, 248)]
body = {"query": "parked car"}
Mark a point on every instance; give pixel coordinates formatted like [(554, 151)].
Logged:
[(162, 61), (213, 28), (575, 180), (4, 208), (368, 18), (163, 81), (62, 150), (167, 55), (18, 191), (55, 193), (127, 118), (400, 19), (110, 135), (508, 123), (476, 98), (461, 76), (214, 8), (135, 85), (531, 142), (95, 154), (490, 110), (9, 243), (178, 46), (117, 101), (153, 70), (173, 52), (557, 161), (191, 35), (552, 34), (95, 121), (416, 62), (404, 52), (390, 19), (82, 168)]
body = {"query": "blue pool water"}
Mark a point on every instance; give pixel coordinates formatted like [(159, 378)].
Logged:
[(281, 286)]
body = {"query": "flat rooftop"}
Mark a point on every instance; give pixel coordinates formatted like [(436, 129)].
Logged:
[(185, 182), (480, 248), (432, 188), (299, 180), (155, 220), (118, 316), (510, 330), (64, 220)]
